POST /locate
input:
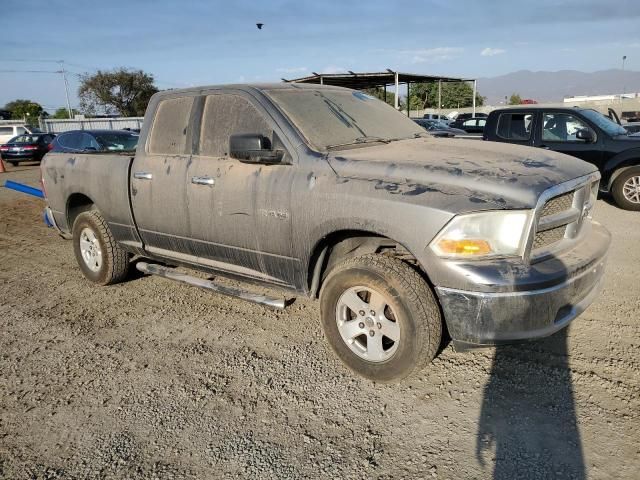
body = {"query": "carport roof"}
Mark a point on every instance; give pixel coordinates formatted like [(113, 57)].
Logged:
[(360, 81)]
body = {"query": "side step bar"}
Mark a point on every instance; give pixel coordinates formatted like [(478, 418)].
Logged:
[(155, 269)]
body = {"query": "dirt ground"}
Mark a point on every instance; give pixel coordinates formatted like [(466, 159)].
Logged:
[(151, 379)]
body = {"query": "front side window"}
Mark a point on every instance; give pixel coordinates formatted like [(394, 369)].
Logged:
[(21, 130), (561, 127), (515, 126), (170, 125), (225, 115), (114, 141)]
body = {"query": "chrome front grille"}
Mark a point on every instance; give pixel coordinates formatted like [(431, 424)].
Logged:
[(562, 216), (542, 239), (557, 204)]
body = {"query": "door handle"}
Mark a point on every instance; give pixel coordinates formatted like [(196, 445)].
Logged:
[(546, 147), (203, 180), (142, 175)]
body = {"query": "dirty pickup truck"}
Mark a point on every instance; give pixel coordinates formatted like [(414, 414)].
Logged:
[(406, 239)]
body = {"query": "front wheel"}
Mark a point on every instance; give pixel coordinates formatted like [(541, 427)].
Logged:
[(100, 258), (626, 189), (380, 317)]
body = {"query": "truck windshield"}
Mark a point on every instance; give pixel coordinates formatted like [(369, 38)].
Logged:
[(331, 118), (605, 123)]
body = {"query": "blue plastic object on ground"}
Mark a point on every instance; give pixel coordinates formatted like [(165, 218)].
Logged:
[(36, 192)]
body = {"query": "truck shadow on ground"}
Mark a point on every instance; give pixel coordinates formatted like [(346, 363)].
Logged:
[(528, 414)]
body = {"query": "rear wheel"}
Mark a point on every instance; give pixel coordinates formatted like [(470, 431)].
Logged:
[(626, 189), (100, 258), (380, 317), (15, 164)]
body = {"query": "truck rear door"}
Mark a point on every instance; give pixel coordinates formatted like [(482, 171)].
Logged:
[(157, 184), (513, 127)]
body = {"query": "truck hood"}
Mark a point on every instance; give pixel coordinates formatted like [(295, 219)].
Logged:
[(508, 176)]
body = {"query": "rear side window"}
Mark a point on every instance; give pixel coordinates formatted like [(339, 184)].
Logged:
[(225, 115), (170, 125), (515, 126), (71, 141), (6, 130)]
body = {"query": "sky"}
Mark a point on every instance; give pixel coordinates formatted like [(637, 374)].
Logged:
[(202, 42)]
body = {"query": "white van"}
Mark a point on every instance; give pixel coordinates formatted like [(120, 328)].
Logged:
[(7, 132)]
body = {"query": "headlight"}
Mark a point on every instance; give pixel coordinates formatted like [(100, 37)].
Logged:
[(485, 234)]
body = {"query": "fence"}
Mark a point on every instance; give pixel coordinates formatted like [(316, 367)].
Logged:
[(59, 126)]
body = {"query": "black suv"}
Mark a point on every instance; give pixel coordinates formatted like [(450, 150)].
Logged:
[(583, 133)]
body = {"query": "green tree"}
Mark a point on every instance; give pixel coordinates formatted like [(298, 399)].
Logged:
[(63, 113), (391, 96), (122, 91), (454, 95), (24, 109), (515, 99)]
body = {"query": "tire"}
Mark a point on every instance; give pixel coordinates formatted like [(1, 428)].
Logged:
[(407, 301), (100, 258), (15, 164), (623, 189)]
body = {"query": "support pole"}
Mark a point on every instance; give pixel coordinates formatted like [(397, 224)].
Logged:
[(321, 80), (474, 97), (397, 103), (408, 99), (439, 96), (385, 93), (66, 87)]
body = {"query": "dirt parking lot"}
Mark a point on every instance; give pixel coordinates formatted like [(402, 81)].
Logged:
[(151, 379)]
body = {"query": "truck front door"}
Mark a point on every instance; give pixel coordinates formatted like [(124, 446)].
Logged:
[(559, 133), (239, 213), (158, 179)]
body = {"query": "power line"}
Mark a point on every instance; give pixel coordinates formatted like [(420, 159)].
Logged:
[(30, 71)]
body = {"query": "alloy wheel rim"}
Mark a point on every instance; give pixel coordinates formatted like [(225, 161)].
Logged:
[(631, 189), (368, 324), (90, 249)]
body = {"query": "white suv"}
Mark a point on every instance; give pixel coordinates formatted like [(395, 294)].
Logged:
[(7, 132)]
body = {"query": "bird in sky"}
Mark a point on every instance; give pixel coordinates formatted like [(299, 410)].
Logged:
[(259, 25)]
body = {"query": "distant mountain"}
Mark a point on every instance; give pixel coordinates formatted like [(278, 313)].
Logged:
[(554, 86)]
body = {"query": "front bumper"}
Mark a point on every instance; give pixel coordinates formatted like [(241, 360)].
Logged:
[(563, 287)]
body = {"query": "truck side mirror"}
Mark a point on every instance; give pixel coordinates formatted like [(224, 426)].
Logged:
[(253, 148), (586, 135)]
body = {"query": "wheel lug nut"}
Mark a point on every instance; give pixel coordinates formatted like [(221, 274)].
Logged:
[(361, 312), (361, 325), (372, 333), (379, 325), (373, 313)]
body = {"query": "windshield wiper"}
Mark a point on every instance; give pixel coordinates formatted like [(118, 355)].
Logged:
[(360, 140)]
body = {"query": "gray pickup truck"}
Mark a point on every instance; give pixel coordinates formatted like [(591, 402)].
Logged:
[(329, 193)]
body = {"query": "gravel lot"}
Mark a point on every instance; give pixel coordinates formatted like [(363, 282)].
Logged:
[(151, 379)]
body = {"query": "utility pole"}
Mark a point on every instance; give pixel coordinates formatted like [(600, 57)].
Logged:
[(66, 87), (624, 87)]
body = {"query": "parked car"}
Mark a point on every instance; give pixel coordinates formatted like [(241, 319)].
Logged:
[(27, 147), (7, 132), (468, 116), (95, 141), (470, 125), (332, 194), (438, 129), (435, 116), (582, 133)]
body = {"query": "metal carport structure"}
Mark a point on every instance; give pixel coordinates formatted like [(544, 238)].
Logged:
[(361, 81)]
